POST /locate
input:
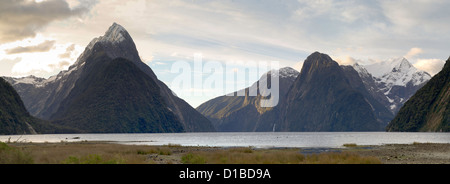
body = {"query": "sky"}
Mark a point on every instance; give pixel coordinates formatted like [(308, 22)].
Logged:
[(44, 37)]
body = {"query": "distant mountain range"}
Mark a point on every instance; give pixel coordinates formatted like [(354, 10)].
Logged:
[(323, 97), (109, 90), (428, 109)]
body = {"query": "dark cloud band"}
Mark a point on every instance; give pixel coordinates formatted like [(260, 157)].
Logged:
[(21, 19), (43, 47)]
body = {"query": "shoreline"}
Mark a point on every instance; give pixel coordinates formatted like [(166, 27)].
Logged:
[(113, 152)]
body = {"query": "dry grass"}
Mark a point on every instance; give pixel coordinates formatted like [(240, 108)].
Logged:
[(105, 153), (11, 155), (89, 153), (340, 158), (279, 156)]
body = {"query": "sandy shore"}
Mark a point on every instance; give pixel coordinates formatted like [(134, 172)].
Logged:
[(101, 152)]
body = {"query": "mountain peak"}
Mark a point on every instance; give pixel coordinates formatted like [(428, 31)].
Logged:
[(398, 64), (116, 42), (317, 60), (116, 33), (401, 64), (318, 55)]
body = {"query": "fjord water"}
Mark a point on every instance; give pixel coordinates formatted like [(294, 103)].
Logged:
[(244, 139)]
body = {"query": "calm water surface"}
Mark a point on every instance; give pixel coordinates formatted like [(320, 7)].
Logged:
[(259, 140)]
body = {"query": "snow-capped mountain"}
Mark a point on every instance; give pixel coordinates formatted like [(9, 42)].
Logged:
[(398, 72), (397, 79)]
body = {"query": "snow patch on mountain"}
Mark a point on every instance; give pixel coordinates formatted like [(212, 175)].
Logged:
[(286, 72), (361, 70)]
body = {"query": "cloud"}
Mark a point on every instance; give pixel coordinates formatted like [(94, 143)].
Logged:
[(411, 15), (7, 64), (43, 47), (347, 60), (59, 65), (46, 63), (336, 10), (413, 52), (68, 52), (432, 66), (21, 19)]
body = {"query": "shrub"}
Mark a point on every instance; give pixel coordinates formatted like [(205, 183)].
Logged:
[(159, 151), (350, 145)]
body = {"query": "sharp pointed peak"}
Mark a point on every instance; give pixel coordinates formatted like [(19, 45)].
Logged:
[(116, 26), (398, 60), (116, 41), (400, 63), (115, 33)]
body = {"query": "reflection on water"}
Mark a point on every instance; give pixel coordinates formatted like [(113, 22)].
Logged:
[(259, 140)]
